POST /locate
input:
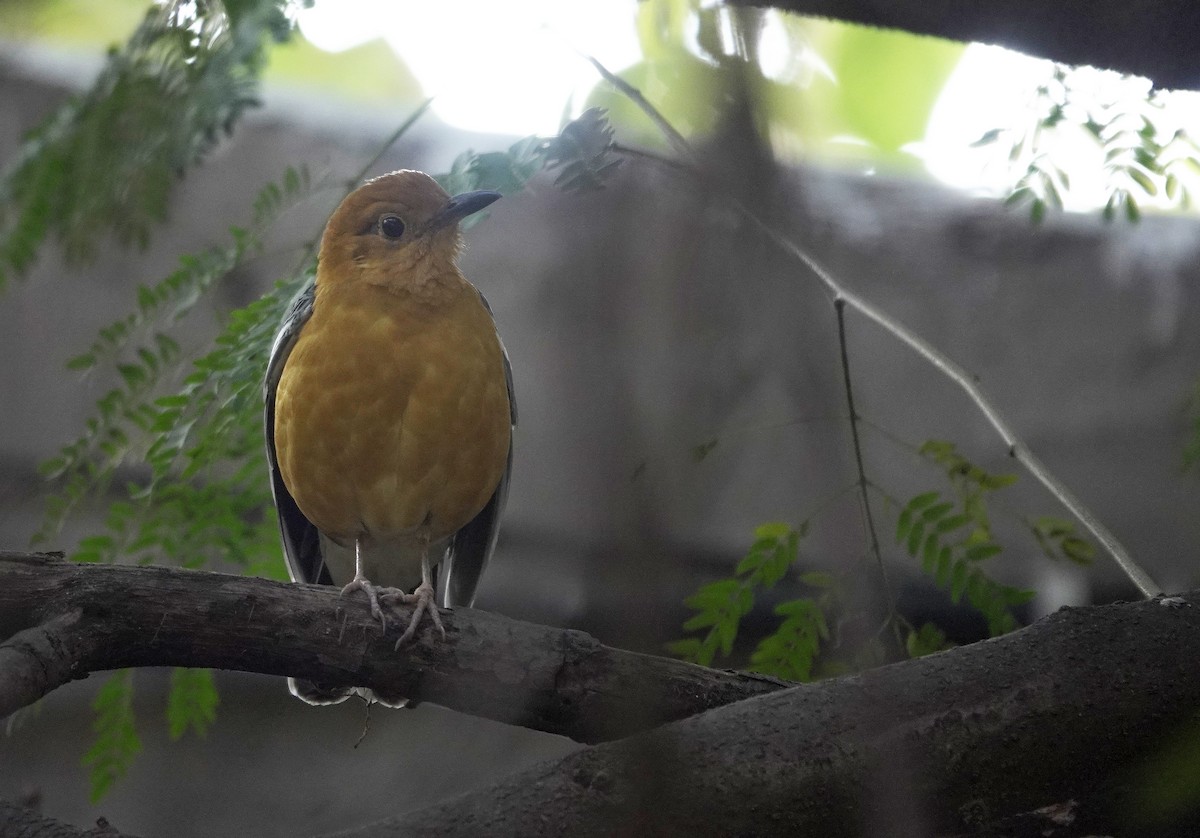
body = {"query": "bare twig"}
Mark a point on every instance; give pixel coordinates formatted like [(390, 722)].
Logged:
[(868, 518)]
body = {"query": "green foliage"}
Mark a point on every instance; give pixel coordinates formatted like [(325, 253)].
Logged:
[(1141, 157), (207, 495), (925, 641), (721, 605), (789, 652), (952, 537), (502, 171), (950, 545), (140, 418), (582, 152), (105, 162), (117, 741), (192, 702), (1058, 539)]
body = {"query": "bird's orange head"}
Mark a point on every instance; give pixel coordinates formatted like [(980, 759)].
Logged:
[(399, 229)]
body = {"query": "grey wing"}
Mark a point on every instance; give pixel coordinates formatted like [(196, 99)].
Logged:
[(471, 547), (301, 540)]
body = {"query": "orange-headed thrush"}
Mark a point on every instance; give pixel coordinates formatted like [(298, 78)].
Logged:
[(389, 409)]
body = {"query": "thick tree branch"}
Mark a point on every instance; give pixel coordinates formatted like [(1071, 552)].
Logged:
[(62, 621), (1153, 38), (1060, 717)]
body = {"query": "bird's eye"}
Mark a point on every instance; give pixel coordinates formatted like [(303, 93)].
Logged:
[(391, 226)]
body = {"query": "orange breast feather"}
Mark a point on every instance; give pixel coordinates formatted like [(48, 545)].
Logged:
[(392, 415)]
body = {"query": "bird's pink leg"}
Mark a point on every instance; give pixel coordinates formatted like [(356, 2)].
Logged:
[(422, 597), (361, 583)]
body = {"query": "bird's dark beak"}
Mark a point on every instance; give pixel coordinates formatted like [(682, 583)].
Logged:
[(460, 206)]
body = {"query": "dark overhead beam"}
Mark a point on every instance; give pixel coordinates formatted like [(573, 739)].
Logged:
[(1153, 38)]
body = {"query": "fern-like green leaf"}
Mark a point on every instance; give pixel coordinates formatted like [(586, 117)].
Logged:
[(139, 421), (1058, 538), (790, 650), (936, 512), (1141, 155), (953, 558), (721, 605), (582, 153), (981, 551), (105, 162), (117, 741), (192, 702), (925, 641)]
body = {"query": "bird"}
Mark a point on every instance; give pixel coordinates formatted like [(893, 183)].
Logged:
[(390, 412)]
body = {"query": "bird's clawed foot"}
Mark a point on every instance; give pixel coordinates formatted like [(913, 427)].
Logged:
[(362, 583), (423, 599)]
